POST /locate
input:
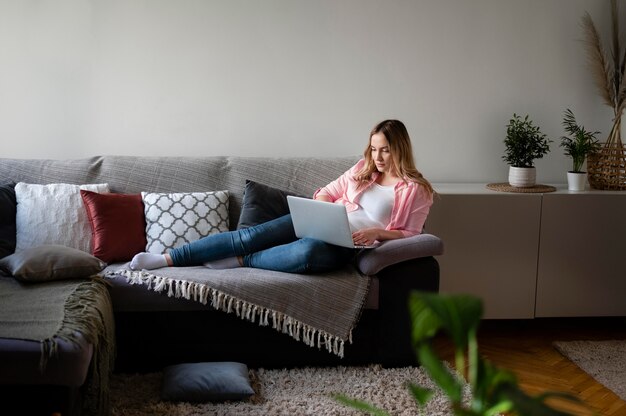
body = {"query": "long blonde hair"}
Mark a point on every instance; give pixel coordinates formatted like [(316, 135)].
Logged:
[(401, 152)]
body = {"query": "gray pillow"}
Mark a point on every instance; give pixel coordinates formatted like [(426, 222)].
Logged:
[(262, 203), (204, 382), (51, 262), (390, 252)]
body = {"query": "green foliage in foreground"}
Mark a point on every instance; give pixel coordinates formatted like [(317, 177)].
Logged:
[(494, 391)]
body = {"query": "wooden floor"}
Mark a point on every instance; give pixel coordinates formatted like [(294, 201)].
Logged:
[(525, 347)]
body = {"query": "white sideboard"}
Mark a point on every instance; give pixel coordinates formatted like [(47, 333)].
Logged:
[(529, 255)]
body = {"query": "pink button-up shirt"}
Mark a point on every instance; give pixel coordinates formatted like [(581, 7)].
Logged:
[(410, 207)]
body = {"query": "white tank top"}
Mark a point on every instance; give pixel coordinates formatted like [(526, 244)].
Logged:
[(374, 211)]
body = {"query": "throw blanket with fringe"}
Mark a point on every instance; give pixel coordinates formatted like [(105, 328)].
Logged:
[(319, 309), (48, 312)]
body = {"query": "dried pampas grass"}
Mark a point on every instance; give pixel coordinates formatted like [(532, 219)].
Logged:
[(601, 68), (608, 70), (607, 168)]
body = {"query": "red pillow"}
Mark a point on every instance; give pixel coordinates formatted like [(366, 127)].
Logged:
[(118, 225)]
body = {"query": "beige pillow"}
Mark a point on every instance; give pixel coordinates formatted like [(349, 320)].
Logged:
[(53, 214)]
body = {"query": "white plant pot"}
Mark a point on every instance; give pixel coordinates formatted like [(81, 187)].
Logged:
[(522, 177), (576, 181)]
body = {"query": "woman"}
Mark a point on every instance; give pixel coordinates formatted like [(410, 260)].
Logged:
[(385, 195)]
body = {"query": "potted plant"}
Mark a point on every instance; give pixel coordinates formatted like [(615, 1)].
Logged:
[(494, 391), (524, 143), (577, 144)]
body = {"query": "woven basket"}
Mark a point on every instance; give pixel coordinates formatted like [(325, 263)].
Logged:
[(606, 169)]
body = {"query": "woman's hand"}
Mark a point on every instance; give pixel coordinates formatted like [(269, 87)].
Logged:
[(365, 237), (368, 236), (323, 198)]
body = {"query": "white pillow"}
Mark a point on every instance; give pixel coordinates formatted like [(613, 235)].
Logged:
[(173, 220), (53, 214)]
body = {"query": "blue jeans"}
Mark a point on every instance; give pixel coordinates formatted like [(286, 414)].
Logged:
[(272, 246)]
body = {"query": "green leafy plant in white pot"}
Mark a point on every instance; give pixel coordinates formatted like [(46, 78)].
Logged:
[(578, 144), (524, 144)]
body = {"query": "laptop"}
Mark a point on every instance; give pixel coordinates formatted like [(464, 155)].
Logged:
[(323, 221)]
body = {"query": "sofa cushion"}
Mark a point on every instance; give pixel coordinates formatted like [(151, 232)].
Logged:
[(7, 219), (118, 225), (203, 382), (175, 219), (53, 214), (51, 262), (262, 203), (390, 252)]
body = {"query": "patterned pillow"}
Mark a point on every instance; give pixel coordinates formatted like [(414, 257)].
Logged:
[(53, 214), (173, 220)]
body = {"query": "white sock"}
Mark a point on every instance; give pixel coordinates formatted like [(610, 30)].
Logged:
[(148, 261), (227, 263)]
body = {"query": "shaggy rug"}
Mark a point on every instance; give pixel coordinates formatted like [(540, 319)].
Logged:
[(605, 361), (306, 391)]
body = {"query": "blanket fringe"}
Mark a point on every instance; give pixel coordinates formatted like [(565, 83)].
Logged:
[(219, 300)]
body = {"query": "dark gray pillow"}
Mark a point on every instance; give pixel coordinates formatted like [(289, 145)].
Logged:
[(51, 262), (262, 203), (206, 382), (7, 219)]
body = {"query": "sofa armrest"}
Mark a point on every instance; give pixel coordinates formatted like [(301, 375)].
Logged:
[(371, 261)]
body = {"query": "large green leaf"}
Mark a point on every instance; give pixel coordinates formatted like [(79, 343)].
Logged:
[(421, 394), (360, 405), (488, 380), (425, 322), (500, 408), (456, 314), (439, 373), (524, 404)]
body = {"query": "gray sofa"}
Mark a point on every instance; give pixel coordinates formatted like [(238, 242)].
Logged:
[(154, 329)]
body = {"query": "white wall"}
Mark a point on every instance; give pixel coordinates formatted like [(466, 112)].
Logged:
[(293, 78)]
